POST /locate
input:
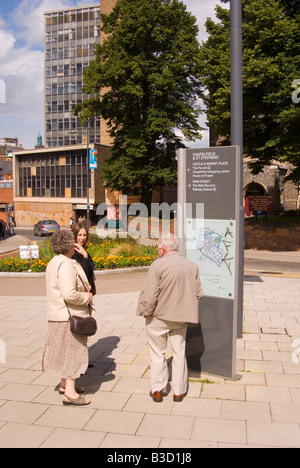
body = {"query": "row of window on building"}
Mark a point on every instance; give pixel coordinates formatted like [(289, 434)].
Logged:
[(61, 106), (66, 53), (75, 69), (58, 141), (73, 33), (75, 16), (54, 176), (72, 123), (64, 88)]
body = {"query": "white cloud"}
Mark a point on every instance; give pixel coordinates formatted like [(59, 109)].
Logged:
[(7, 41), (29, 16), (12, 57), (22, 71), (203, 9)]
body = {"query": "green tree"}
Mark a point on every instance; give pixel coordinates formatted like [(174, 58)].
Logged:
[(271, 57), (147, 74)]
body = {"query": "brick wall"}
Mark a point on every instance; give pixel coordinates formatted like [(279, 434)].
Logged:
[(6, 198), (276, 238), (28, 213), (6, 195), (106, 6)]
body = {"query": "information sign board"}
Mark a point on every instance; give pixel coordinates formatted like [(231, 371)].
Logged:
[(28, 252), (212, 247), (211, 177), (261, 203)]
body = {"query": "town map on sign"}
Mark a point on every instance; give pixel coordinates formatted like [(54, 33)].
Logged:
[(211, 244), (208, 242), (216, 247)]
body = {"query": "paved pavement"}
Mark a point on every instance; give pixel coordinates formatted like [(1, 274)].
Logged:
[(10, 244), (260, 410)]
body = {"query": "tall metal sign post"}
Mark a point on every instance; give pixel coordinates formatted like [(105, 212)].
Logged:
[(208, 229), (213, 236), (237, 131)]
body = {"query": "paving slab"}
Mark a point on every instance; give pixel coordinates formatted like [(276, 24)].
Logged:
[(260, 410)]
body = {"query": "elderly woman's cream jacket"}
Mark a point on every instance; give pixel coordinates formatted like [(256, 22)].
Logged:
[(67, 288)]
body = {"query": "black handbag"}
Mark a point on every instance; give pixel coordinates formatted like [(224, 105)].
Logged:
[(86, 326)]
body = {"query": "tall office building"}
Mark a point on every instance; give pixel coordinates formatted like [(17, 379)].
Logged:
[(70, 36)]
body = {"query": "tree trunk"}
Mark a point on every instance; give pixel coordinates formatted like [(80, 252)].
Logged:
[(146, 197)]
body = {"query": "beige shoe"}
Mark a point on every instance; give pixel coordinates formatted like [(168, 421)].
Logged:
[(80, 401)]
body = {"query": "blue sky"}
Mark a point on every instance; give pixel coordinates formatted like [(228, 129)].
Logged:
[(22, 62), (8, 6)]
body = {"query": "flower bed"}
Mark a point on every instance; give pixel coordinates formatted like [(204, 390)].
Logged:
[(106, 254), (112, 262)]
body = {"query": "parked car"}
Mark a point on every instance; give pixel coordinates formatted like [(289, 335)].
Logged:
[(46, 226)]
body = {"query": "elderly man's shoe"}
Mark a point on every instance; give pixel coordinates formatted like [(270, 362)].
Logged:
[(179, 398), (157, 396)]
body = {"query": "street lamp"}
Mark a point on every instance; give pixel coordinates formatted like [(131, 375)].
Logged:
[(237, 128)]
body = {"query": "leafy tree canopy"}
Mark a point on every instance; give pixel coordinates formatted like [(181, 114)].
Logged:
[(147, 72), (271, 57)]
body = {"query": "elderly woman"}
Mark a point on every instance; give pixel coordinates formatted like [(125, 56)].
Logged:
[(68, 292)]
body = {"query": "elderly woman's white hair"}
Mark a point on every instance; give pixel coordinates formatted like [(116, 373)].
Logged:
[(62, 242), (170, 243)]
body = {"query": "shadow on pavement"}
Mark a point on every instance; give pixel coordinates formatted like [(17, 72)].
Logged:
[(102, 362)]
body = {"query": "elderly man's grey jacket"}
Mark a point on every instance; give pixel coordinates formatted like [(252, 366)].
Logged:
[(172, 290)]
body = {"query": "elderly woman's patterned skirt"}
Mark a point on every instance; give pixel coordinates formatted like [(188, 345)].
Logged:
[(65, 354)]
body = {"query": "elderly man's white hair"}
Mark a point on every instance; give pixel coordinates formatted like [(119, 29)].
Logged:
[(170, 243)]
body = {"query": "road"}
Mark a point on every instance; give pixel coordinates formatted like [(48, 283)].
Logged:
[(263, 267), (279, 263), (28, 233)]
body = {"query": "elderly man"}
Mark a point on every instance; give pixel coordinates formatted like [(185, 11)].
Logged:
[(169, 302)]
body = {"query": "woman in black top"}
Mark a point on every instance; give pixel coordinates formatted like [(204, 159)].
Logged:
[(80, 254)]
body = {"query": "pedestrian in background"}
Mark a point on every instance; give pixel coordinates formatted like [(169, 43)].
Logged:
[(169, 302), (66, 354), (1, 229), (81, 236)]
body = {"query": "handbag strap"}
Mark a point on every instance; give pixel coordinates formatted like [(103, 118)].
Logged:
[(89, 305), (68, 309)]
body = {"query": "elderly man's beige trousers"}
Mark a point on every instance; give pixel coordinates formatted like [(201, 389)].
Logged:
[(158, 332)]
